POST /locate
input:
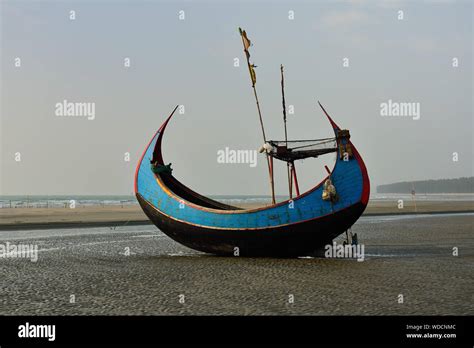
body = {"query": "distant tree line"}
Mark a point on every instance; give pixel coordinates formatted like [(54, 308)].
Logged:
[(459, 185)]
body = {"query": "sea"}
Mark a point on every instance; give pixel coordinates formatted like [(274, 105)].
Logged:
[(42, 201)]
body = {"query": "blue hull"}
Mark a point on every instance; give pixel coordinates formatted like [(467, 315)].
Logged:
[(290, 228)]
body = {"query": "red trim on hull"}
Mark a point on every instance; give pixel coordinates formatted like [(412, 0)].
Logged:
[(163, 126), (158, 156), (364, 198)]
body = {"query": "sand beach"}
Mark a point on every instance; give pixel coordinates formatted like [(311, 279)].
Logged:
[(137, 270), (88, 216), (111, 261)]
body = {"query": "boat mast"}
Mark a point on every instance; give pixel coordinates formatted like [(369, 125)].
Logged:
[(288, 165), (246, 43)]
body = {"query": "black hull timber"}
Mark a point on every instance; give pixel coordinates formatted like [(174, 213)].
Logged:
[(302, 239)]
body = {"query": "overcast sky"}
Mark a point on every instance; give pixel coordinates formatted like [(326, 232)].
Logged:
[(191, 62)]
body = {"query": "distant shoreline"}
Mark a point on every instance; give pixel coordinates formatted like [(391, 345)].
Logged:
[(438, 186)]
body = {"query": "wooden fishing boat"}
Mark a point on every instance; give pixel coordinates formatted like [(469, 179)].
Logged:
[(295, 227), (298, 226)]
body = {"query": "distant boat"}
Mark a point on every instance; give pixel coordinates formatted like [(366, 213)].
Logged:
[(296, 227)]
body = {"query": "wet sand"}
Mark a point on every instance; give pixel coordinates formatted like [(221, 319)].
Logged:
[(61, 216), (408, 255), (14, 218)]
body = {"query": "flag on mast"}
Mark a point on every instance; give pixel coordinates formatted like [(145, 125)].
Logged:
[(253, 76), (247, 43)]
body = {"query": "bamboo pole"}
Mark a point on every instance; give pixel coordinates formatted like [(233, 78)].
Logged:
[(288, 170), (295, 178), (270, 171)]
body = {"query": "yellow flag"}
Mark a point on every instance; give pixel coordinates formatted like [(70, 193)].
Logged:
[(252, 74), (247, 44), (246, 40)]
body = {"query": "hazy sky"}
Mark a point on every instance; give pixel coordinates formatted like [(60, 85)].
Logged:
[(191, 62)]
